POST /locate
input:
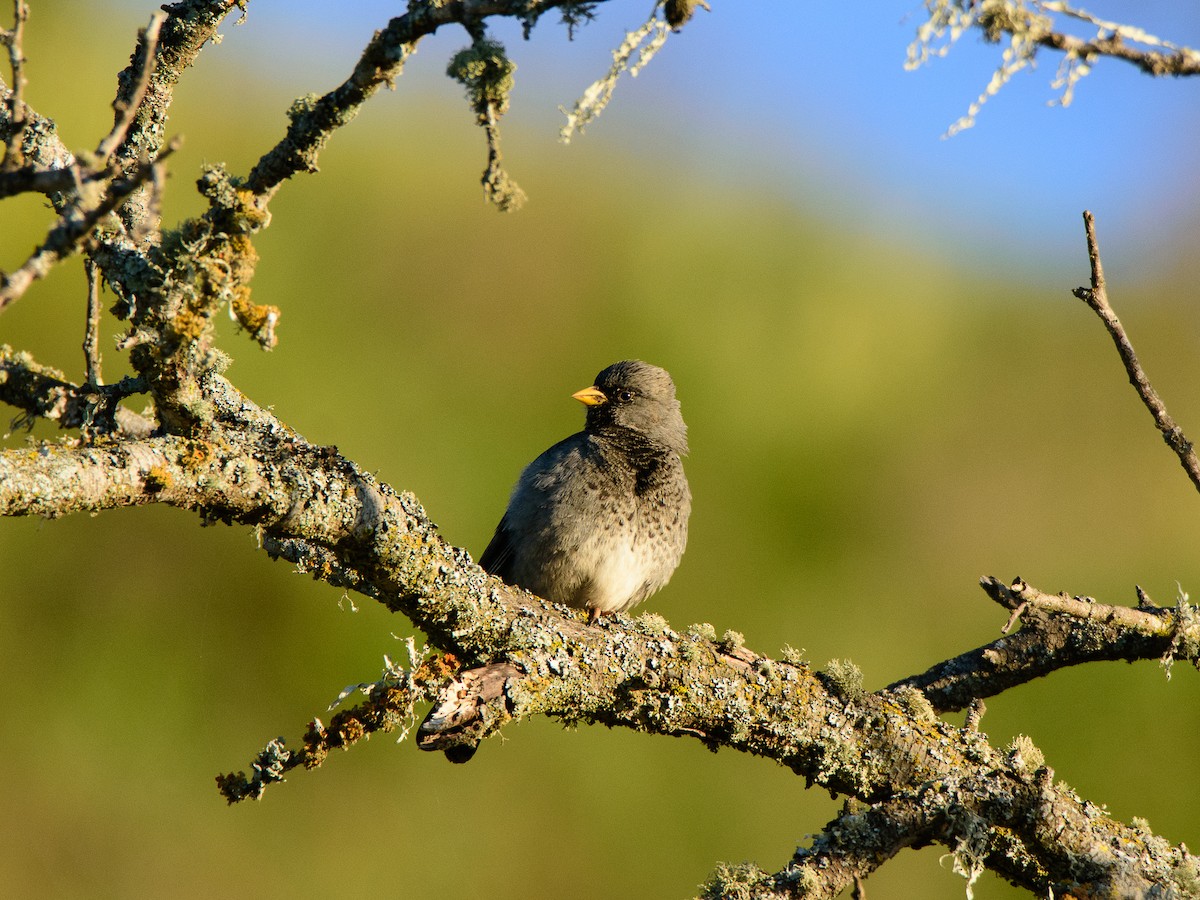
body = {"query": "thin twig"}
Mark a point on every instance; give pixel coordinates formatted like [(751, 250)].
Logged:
[(91, 333), (1096, 297), (126, 108), (1014, 618), (1179, 62), (28, 178), (72, 229), (13, 156)]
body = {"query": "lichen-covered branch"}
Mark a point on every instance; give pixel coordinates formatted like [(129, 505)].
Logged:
[(1128, 43), (53, 481), (136, 83), (47, 164), (850, 848), (146, 88), (75, 227), (314, 119), (638, 674), (998, 808), (1058, 631), (645, 42), (390, 706), (485, 70), (42, 392), (1027, 27)]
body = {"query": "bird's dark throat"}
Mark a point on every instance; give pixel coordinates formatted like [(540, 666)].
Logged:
[(649, 459)]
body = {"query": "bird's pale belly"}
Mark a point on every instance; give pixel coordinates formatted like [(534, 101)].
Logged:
[(619, 579)]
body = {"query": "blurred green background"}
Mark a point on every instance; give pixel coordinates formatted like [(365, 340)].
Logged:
[(876, 421)]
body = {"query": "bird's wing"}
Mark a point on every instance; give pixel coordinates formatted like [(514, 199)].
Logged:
[(497, 557)]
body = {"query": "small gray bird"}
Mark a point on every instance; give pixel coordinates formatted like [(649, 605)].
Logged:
[(599, 521)]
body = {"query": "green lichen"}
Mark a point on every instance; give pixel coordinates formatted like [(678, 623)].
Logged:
[(1187, 877), (1024, 755), (732, 641), (302, 106), (845, 678), (653, 624), (915, 703), (485, 70), (743, 881), (792, 655)]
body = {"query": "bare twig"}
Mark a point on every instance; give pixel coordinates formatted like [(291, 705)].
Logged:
[(1096, 297), (91, 333), (13, 156), (1013, 619), (126, 108)]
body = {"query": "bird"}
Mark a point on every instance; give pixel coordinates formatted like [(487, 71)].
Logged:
[(599, 520)]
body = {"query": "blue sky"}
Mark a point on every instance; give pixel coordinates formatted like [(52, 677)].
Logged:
[(812, 101)]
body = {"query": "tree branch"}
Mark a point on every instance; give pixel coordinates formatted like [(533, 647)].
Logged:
[(44, 392), (1096, 297), (850, 848), (1112, 40), (1028, 26), (127, 107), (1057, 631), (313, 119), (73, 228), (56, 481), (48, 166), (13, 156), (390, 705), (146, 88), (91, 331), (637, 674)]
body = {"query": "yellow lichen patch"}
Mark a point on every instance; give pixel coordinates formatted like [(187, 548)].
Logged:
[(196, 455), (350, 730), (435, 670), (158, 479), (257, 318), (250, 213)]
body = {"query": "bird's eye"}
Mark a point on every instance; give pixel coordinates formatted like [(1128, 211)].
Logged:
[(624, 396)]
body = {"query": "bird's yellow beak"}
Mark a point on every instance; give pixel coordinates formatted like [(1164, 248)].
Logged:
[(590, 396)]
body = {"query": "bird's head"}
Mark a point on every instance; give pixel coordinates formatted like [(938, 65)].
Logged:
[(637, 396)]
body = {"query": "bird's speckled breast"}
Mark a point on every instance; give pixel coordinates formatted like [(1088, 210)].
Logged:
[(604, 531)]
